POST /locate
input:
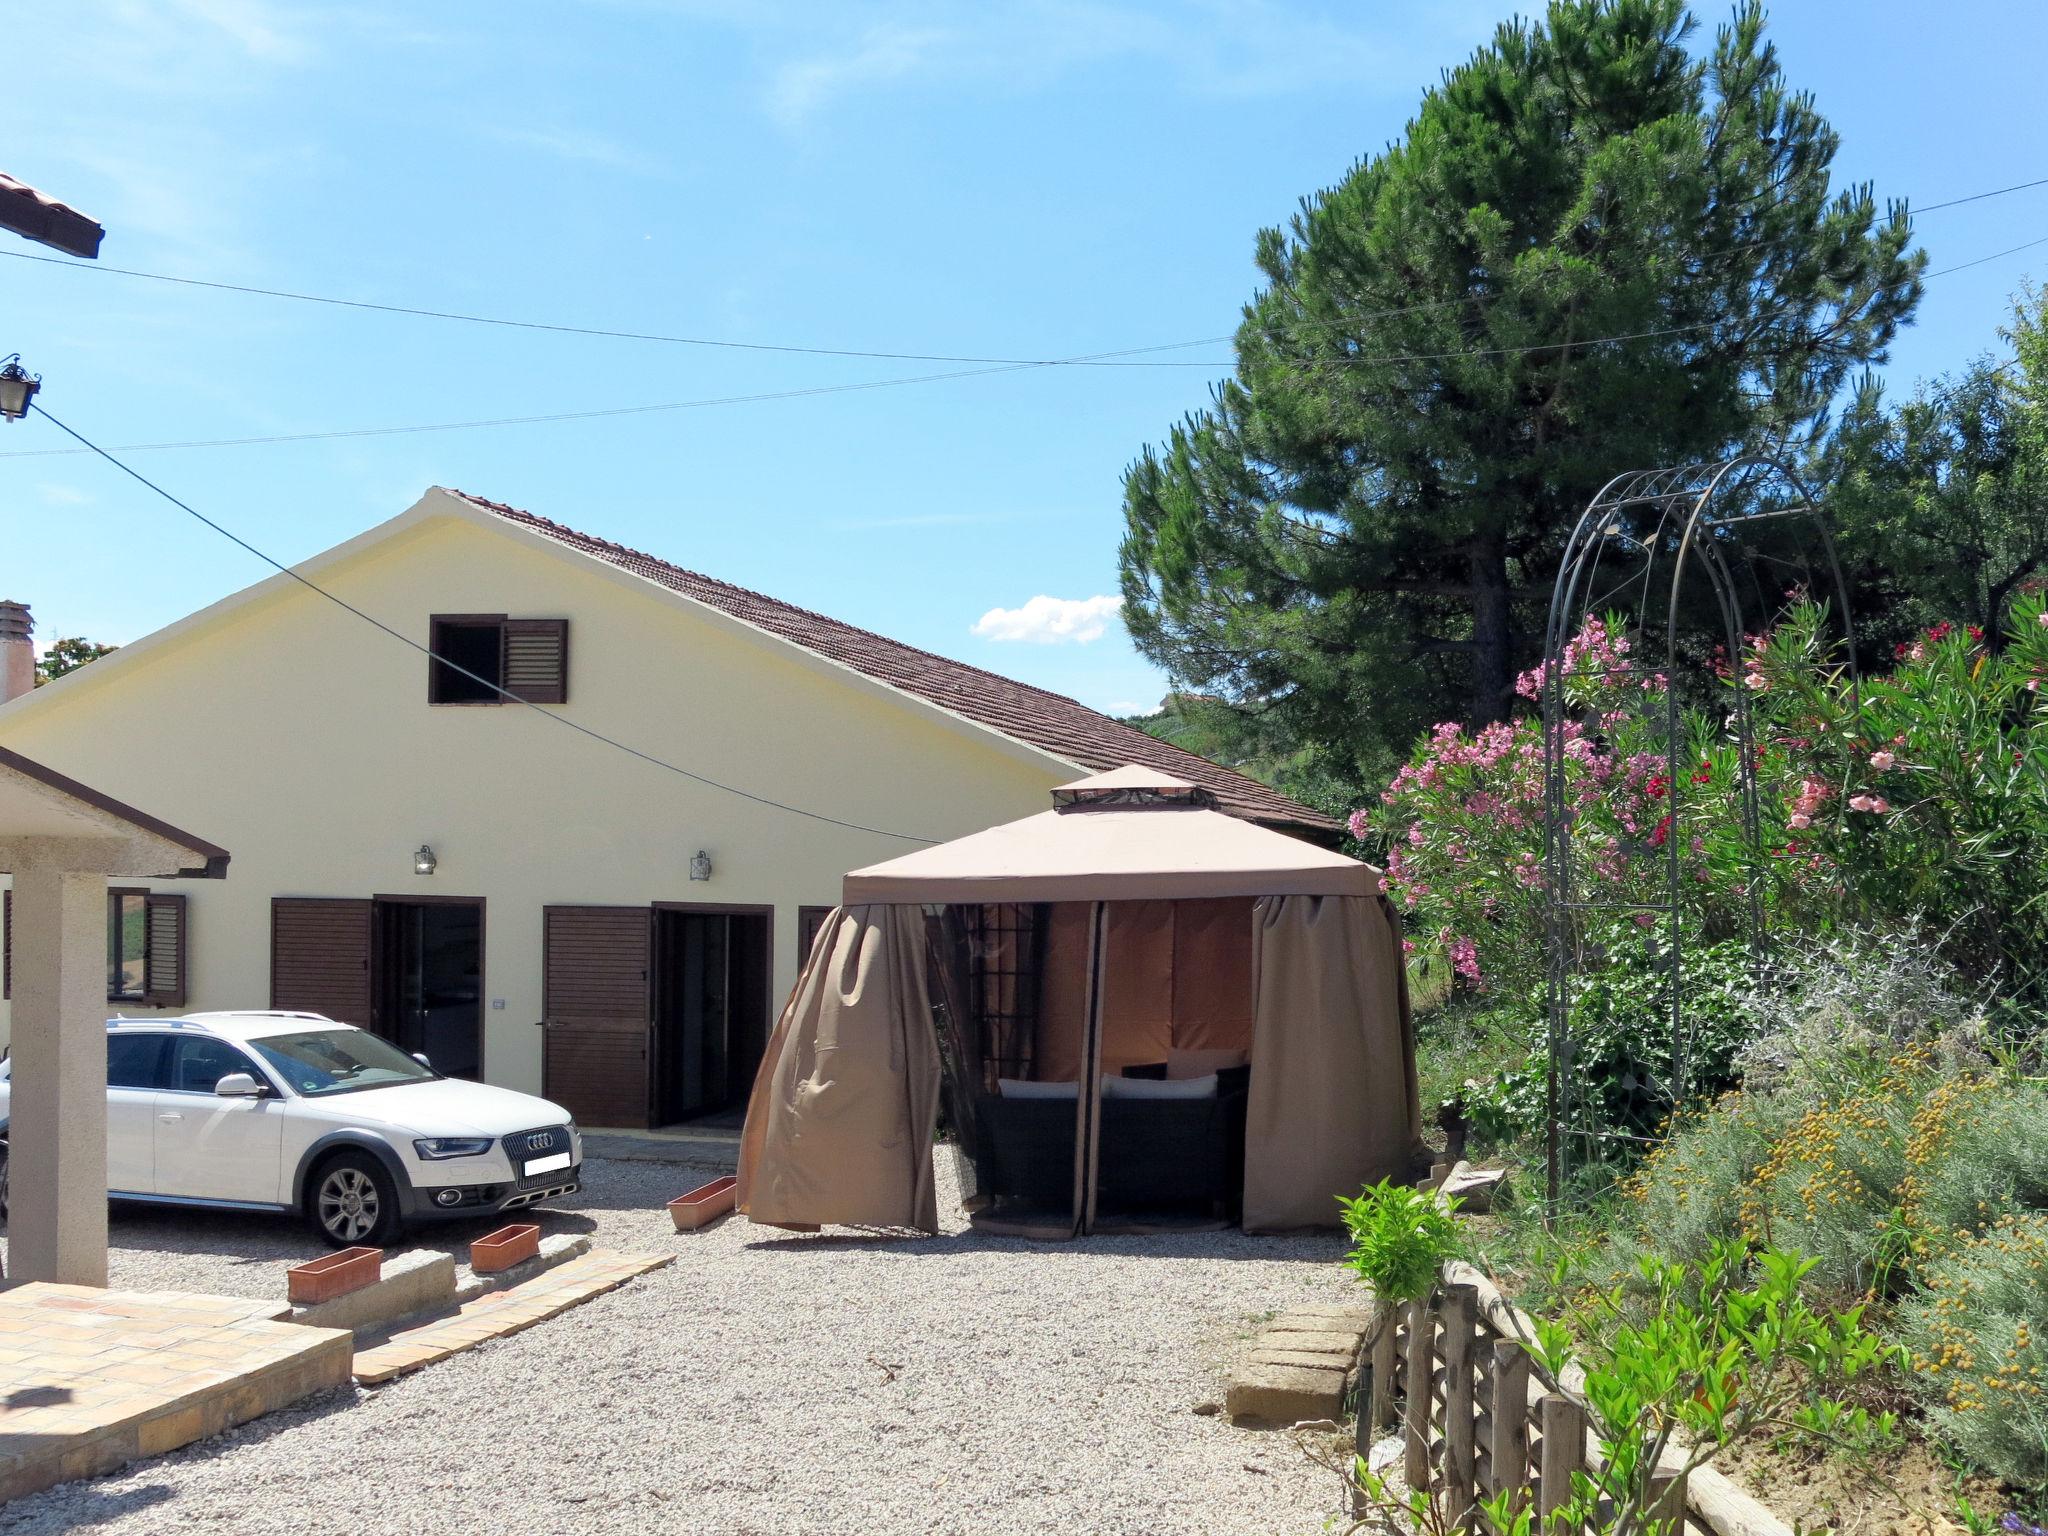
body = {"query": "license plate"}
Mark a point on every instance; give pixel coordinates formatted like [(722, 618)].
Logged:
[(546, 1164)]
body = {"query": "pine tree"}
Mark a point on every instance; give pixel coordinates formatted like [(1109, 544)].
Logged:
[(1361, 527)]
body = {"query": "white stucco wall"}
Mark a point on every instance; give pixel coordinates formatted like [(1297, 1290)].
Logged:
[(301, 739)]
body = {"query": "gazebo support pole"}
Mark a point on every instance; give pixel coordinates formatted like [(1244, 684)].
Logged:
[(57, 1130), (1088, 1092)]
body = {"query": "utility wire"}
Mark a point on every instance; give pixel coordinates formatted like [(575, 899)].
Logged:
[(1978, 197), (591, 330), (1103, 359), (933, 378), (427, 651)]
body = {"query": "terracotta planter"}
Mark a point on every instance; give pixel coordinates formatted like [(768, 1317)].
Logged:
[(704, 1204), (504, 1248), (337, 1274)]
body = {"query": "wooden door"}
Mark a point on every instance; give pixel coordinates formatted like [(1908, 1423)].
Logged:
[(320, 958), (597, 1012)]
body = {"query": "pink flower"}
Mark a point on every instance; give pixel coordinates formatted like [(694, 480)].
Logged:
[(1359, 823), (1875, 805), (1646, 919), (1799, 820), (2044, 618), (1882, 761)]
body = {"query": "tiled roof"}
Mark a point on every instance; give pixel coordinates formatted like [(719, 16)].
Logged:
[(1067, 729)]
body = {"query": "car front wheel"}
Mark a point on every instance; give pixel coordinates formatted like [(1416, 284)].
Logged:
[(353, 1201)]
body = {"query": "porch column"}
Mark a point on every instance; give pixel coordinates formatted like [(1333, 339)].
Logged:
[(57, 1130)]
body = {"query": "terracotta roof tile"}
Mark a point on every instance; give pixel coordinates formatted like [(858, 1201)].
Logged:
[(1052, 722)]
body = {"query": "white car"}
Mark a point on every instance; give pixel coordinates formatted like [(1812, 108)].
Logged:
[(293, 1112)]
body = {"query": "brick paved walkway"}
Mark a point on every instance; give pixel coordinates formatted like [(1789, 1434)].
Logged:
[(92, 1379)]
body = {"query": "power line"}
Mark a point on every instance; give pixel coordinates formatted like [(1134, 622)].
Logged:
[(591, 330), (933, 378), (1978, 197), (433, 656), (1105, 359)]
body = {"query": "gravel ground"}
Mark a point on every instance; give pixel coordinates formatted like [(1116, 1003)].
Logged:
[(764, 1382)]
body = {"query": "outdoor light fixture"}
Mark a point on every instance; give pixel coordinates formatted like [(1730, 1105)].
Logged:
[(424, 862), (17, 387), (700, 866)]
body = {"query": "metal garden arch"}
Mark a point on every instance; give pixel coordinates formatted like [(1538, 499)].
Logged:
[(1743, 525)]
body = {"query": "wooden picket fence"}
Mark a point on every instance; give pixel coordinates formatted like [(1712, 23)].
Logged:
[(1474, 1420)]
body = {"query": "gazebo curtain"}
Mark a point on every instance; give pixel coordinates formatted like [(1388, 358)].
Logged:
[(839, 1127), (1334, 1103)]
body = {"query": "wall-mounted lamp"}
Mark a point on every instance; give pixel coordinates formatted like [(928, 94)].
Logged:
[(17, 387), (700, 866), (424, 862)]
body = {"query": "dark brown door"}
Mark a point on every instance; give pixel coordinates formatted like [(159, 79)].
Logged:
[(597, 1012), (320, 958)]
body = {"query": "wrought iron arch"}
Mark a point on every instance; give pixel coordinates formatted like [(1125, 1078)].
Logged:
[(1631, 553)]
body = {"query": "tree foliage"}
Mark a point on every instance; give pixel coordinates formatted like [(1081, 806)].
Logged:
[(68, 655), (1943, 501), (1361, 527)]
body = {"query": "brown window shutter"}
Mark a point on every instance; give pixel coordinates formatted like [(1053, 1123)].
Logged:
[(536, 660), (163, 951), (320, 957), (7, 943)]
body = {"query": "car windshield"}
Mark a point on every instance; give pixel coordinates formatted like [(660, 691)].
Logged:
[(322, 1061)]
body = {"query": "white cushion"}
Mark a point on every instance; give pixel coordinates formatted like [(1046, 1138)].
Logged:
[(1181, 1064), (1020, 1088), (1159, 1088)]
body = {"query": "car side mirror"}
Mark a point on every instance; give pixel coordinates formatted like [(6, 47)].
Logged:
[(238, 1085)]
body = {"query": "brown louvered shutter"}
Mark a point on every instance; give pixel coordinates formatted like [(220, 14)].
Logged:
[(163, 951), (320, 957), (7, 943), (599, 1015), (536, 660)]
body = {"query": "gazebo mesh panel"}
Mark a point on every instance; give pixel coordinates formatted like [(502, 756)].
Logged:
[(1006, 957)]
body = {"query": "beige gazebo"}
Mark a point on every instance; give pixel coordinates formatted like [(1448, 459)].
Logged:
[(59, 841), (1146, 1014)]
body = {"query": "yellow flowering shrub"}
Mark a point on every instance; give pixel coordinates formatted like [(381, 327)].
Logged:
[(1977, 1333)]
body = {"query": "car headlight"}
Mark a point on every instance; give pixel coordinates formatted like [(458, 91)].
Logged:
[(434, 1148)]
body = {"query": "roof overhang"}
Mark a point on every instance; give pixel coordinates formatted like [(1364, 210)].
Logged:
[(48, 821), (39, 217)]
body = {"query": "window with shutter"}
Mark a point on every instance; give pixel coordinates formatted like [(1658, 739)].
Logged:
[(536, 666), (163, 969), (488, 658)]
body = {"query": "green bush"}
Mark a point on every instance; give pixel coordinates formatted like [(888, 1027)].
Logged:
[(1400, 1238), (1978, 1335)]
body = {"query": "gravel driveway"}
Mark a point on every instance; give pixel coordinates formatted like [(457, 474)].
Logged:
[(764, 1382)]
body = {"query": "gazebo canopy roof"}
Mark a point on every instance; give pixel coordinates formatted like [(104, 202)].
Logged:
[(1130, 834)]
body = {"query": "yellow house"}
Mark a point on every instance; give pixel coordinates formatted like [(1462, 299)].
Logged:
[(574, 902)]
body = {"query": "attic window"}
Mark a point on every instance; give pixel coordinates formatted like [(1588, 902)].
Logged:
[(483, 658)]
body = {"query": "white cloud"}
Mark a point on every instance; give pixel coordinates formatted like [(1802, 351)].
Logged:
[(62, 495), (1051, 620), (884, 54), (1231, 50), (926, 520), (575, 146)]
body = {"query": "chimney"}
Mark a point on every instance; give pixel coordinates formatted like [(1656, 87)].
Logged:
[(17, 652)]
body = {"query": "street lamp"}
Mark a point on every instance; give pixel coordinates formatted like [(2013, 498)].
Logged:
[(17, 387), (424, 862)]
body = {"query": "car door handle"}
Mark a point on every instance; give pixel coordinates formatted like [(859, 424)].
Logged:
[(167, 1119)]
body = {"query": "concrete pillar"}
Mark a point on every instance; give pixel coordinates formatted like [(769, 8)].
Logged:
[(57, 1119)]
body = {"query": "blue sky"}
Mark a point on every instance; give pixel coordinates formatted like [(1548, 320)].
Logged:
[(1044, 178)]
